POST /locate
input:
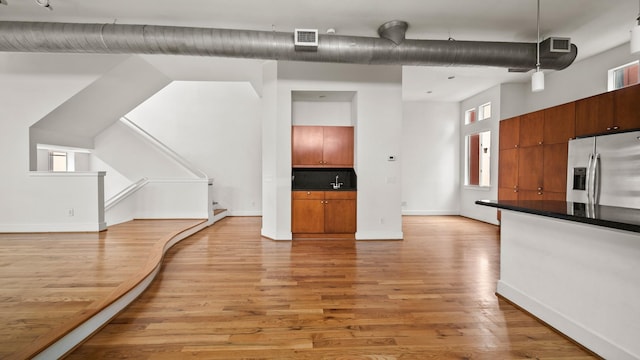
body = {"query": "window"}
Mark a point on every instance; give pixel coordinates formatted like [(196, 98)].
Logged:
[(470, 116), (478, 159), (58, 160), (624, 75), (485, 111)]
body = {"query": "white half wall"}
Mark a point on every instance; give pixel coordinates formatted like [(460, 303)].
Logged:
[(31, 86), (431, 158)]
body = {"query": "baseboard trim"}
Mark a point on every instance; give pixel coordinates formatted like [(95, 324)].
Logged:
[(573, 330)]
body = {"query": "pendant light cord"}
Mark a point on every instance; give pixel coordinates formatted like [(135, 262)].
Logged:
[(538, 40)]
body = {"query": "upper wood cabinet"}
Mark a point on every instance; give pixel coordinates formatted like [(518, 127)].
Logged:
[(509, 133), (610, 112), (322, 146), (559, 123), (532, 129), (594, 115), (627, 108)]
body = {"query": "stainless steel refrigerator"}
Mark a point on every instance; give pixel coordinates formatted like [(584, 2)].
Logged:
[(605, 170)]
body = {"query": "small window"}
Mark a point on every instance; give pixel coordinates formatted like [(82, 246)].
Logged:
[(470, 116), (485, 111), (479, 159), (623, 76), (58, 160)]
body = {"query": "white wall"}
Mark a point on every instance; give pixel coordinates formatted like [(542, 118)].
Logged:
[(325, 113), (31, 86), (580, 80), (430, 158), (216, 126), (135, 157), (378, 130)]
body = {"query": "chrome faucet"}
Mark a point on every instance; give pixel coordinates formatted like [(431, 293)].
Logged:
[(336, 185)]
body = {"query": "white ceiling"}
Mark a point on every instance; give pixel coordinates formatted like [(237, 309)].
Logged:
[(593, 25)]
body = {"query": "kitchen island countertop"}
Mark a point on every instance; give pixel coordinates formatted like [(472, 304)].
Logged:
[(601, 215)]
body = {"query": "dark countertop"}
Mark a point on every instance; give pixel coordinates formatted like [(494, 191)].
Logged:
[(326, 189), (601, 215)]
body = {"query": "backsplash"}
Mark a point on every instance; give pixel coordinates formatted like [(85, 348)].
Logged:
[(321, 179)]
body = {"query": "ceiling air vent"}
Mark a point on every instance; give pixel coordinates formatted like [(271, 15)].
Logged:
[(306, 39)]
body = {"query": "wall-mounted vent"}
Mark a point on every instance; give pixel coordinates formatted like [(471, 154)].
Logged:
[(306, 39)]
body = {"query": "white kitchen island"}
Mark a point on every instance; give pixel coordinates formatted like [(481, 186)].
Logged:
[(576, 268)]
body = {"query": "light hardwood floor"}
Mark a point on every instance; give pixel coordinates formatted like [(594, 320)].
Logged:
[(227, 293), (52, 282)]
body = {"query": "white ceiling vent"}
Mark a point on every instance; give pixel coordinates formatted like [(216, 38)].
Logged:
[(306, 39)]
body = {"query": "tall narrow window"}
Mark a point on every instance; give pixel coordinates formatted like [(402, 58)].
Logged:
[(58, 160), (470, 116), (479, 159), (624, 75), (485, 111)]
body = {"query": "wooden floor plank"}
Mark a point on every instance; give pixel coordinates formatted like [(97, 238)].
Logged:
[(50, 281), (227, 293)]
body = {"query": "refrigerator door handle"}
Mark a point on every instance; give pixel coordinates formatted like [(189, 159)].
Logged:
[(588, 182), (596, 179)]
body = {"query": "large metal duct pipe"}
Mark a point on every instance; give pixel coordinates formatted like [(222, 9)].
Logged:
[(151, 39)]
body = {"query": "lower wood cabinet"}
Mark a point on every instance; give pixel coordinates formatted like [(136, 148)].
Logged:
[(323, 214)]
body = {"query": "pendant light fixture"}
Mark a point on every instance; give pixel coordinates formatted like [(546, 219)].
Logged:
[(635, 35), (537, 79)]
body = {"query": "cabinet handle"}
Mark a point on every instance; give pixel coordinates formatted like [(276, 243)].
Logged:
[(609, 129), (516, 145), (539, 189), (615, 128), (540, 193), (539, 142), (308, 192)]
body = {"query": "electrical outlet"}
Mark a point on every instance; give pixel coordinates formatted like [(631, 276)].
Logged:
[(71, 212)]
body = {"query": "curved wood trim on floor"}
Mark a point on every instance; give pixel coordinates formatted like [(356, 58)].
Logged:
[(66, 337)]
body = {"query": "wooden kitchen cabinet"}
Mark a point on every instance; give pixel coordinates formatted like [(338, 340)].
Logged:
[(555, 168), (322, 146), (559, 124), (307, 212), (611, 112), (340, 212), (530, 168), (533, 167), (509, 136), (532, 129), (594, 115), (323, 214), (627, 108)]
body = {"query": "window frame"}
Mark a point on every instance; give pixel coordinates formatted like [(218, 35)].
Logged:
[(611, 78)]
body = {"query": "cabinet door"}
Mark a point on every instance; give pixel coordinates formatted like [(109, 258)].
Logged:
[(340, 216), (532, 129), (306, 146), (509, 133), (338, 146), (594, 114), (530, 168), (555, 168), (307, 212), (627, 108), (530, 195), (507, 194), (560, 123), (508, 169)]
